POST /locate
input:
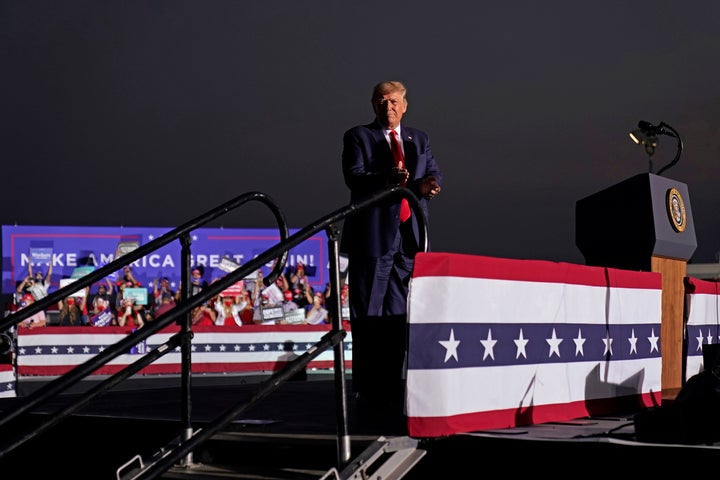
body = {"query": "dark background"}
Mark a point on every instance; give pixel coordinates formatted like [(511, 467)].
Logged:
[(149, 113)]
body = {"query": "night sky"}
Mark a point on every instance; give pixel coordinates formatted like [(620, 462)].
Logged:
[(149, 113)]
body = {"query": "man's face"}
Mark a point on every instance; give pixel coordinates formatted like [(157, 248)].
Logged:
[(389, 109)]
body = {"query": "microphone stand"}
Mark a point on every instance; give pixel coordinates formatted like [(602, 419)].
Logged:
[(671, 133)]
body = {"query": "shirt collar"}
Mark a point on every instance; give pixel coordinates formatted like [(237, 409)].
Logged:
[(388, 130)]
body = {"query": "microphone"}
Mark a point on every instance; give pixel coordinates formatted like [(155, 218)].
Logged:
[(650, 128)]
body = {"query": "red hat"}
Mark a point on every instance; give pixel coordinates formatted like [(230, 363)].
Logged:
[(288, 295), (28, 298)]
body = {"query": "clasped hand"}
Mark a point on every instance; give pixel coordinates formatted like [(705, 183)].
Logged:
[(399, 175), (429, 186)]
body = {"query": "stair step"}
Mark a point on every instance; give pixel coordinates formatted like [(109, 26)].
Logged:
[(236, 454), (298, 457)]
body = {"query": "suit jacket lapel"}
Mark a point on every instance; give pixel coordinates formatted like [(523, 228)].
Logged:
[(410, 151), (378, 132)]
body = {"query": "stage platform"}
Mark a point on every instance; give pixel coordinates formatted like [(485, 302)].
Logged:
[(299, 420)]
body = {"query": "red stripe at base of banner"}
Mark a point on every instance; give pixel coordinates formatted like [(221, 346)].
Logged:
[(420, 427)]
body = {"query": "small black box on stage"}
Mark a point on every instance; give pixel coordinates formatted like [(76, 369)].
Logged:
[(694, 417)]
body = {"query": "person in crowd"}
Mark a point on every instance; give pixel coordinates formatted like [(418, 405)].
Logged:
[(263, 301), (300, 286), (38, 319), (292, 312), (203, 315), (144, 311), (127, 280), (381, 241), (288, 304), (246, 314), (197, 279), (297, 277), (317, 314), (303, 296), (167, 302), (35, 283), (274, 291), (344, 299), (326, 292), (81, 302), (70, 313), (102, 306), (102, 300), (197, 282), (128, 316), (282, 283), (161, 288), (228, 309)]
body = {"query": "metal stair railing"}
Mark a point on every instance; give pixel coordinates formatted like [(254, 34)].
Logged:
[(81, 371), (279, 252), (165, 459)]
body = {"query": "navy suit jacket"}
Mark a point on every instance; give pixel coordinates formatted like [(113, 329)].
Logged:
[(366, 164)]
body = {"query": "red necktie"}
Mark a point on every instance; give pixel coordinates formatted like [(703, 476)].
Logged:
[(399, 162)]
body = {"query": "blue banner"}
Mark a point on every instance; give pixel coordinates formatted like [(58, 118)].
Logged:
[(70, 248)]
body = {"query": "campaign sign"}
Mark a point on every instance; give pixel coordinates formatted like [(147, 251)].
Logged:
[(296, 316), (67, 281), (227, 265), (126, 247), (251, 277), (41, 256), (234, 290), (72, 246), (82, 271), (102, 319), (139, 348), (272, 314), (139, 295)]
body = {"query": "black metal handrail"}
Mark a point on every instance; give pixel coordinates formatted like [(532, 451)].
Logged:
[(333, 339), (81, 371), (128, 258)]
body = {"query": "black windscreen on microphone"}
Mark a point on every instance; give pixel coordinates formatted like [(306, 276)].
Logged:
[(650, 128)]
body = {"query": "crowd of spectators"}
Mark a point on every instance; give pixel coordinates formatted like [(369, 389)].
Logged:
[(291, 299)]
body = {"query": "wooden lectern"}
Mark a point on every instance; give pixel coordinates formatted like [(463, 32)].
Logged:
[(645, 223)]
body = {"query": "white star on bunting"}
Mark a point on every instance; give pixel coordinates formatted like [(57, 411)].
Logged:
[(489, 344), (633, 342), (521, 342), (450, 346), (579, 342), (554, 343)]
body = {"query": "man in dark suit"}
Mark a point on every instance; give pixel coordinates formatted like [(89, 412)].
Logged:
[(379, 245)]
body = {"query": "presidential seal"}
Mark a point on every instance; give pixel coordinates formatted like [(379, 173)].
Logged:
[(676, 210)]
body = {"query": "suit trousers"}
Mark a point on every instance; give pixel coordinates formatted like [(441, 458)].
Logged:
[(378, 316)]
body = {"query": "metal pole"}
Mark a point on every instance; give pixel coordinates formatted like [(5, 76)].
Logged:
[(339, 349), (186, 348)]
